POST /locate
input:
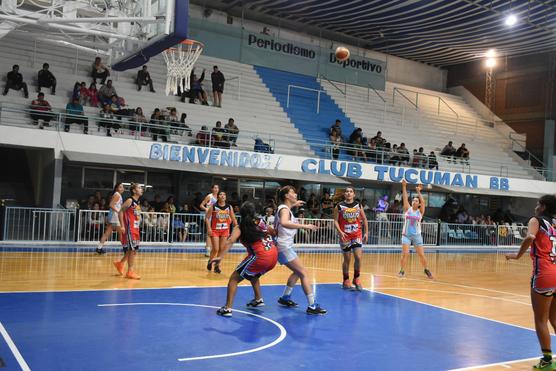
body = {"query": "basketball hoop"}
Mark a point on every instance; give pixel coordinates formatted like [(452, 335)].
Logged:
[(179, 62)]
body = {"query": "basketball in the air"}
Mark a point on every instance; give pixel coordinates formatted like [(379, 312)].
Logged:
[(342, 53)]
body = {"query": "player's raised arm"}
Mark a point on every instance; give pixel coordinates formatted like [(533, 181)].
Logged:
[(405, 198)]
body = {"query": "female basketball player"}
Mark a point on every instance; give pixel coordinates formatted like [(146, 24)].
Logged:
[(348, 219), (112, 221), (286, 227), (541, 236), (207, 202), (411, 232), (130, 219), (262, 256), (218, 219)]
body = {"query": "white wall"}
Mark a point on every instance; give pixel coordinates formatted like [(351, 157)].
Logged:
[(400, 70)]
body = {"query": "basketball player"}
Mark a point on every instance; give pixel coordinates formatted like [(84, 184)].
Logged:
[(286, 226), (113, 221), (348, 220), (262, 256), (219, 218), (541, 236), (208, 201), (130, 219), (411, 232)]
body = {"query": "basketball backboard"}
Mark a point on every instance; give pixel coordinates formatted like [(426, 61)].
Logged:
[(159, 36)]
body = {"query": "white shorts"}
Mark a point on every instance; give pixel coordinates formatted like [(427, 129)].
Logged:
[(415, 240), (113, 218), (287, 255)]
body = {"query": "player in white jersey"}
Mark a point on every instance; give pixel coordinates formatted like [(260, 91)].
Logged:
[(112, 220), (411, 232), (208, 201), (286, 226)]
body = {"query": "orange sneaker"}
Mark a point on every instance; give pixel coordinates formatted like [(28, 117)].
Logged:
[(132, 275), (347, 285), (119, 267), (357, 284)]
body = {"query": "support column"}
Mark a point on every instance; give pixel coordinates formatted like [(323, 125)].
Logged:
[(548, 151)]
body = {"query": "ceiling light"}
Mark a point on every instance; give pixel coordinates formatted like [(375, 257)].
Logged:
[(511, 19), (491, 53), (490, 62)]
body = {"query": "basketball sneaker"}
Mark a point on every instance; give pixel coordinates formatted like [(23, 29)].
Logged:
[(217, 268), (429, 274), (315, 309), (100, 251), (545, 365), (256, 303), (401, 274), (224, 312), (357, 284), (119, 267), (132, 275), (209, 265), (347, 285), (286, 301)]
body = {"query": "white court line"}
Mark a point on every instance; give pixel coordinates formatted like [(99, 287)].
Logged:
[(24, 366), (279, 339), (503, 364)]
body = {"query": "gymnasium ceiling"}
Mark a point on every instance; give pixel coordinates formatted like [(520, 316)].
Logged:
[(437, 32)]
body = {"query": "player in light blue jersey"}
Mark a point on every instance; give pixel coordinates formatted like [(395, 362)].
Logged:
[(411, 232)]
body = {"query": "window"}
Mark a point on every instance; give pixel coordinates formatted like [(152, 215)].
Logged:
[(98, 179), (130, 176)]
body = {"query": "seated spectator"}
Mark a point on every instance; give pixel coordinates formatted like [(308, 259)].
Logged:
[(100, 70), (197, 87), (92, 94), (184, 127), (359, 154), (415, 159), (433, 162), (233, 132), (394, 158), (144, 78), (171, 203), (75, 115), (338, 127), (326, 205), (219, 136), (76, 92), (158, 126), (14, 80), (448, 151), (372, 151), (463, 153), (106, 92), (83, 93), (269, 215), (379, 140), (203, 137), (403, 154), (145, 205), (96, 219), (336, 142), (357, 133), (139, 121), (108, 120), (421, 161), (173, 120), (46, 79), (41, 110), (217, 79), (261, 146)]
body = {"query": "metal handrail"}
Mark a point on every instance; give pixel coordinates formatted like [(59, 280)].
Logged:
[(403, 95), (369, 88), (332, 83), (529, 154), (440, 99), (291, 86)]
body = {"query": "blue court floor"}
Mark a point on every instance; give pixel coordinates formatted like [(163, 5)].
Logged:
[(177, 329)]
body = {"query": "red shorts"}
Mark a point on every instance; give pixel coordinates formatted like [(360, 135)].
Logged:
[(254, 266), (220, 233), (130, 240)]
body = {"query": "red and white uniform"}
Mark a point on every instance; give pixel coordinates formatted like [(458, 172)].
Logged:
[(221, 220), (132, 219), (262, 256), (349, 220), (543, 254)]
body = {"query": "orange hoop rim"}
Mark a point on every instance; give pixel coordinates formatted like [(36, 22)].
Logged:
[(188, 42)]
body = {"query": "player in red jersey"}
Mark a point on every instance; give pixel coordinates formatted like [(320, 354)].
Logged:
[(220, 216), (541, 236), (262, 256), (352, 227), (130, 219)]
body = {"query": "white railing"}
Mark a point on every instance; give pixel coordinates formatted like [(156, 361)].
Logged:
[(290, 87), (39, 224)]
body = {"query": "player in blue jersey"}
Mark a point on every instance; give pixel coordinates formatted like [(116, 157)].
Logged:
[(411, 232)]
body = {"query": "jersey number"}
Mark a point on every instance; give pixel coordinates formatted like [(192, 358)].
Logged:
[(221, 225), (351, 228)]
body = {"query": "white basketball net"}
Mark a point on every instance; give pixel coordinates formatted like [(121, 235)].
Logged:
[(180, 61)]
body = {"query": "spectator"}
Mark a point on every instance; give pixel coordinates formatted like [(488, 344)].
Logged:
[(381, 208), (83, 93), (415, 159), (106, 92), (269, 216), (433, 162), (372, 151), (99, 70), (338, 127), (336, 143), (313, 205), (358, 153), (463, 153), (144, 78), (261, 146), (379, 140), (218, 136), (384, 154), (218, 80), (41, 110), (403, 154), (174, 121), (14, 80), (203, 137), (448, 151), (115, 106), (150, 222), (139, 120), (419, 158), (327, 205), (92, 94), (107, 119), (46, 79), (76, 93), (158, 126), (145, 206), (157, 204), (197, 87), (96, 219), (357, 133), (395, 207), (184, 127), (171, 203), (233, 132), (75, 115)]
